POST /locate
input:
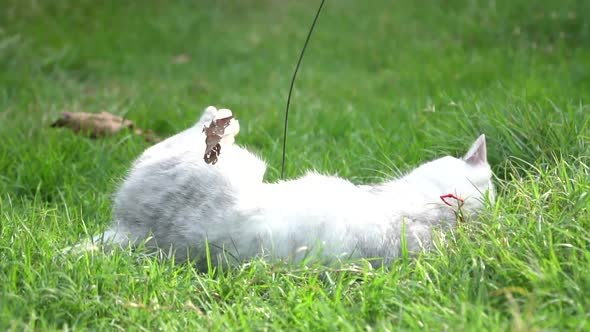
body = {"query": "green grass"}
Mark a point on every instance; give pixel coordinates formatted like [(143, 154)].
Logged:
[(374, 72)]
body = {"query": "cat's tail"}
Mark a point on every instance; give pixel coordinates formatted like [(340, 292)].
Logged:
[(104, 242)]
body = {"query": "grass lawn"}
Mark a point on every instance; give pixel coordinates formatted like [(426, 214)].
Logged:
[(384, 86)]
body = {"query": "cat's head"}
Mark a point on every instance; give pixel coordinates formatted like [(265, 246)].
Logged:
[(468, 178)]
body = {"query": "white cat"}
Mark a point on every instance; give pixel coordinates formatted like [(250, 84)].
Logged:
[(174, 201)]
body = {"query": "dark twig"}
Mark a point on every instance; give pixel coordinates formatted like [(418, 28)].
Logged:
[(291, 88)]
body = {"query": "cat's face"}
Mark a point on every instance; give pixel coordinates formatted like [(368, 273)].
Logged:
[(469, 178)]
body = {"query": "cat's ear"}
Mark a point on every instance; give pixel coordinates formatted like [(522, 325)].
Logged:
[(477, 154)]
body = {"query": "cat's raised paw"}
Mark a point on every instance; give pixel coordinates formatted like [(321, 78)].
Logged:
[(211, 113), (208, 115), (231, 130), (221, 131)]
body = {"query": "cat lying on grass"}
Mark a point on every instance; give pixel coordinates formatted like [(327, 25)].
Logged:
[(175, 202)]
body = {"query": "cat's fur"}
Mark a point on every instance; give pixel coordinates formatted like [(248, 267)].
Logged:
[(173, 200)]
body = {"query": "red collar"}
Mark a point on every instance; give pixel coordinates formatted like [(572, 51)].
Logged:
[(444, 197)]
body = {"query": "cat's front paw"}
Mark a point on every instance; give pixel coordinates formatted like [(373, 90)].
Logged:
[(226, 131), (232, 129), (212, 113)]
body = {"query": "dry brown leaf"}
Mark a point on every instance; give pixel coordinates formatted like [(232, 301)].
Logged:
[(93, 124), (100, 124), (215, 132)]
